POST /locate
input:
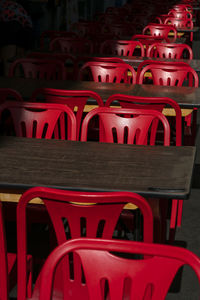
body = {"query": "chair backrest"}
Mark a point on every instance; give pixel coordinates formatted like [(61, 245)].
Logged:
[(169, 50), (180, 14), (109, 72), (4, 294), (77, 214), (147, 40), (66, 59), (183, 7), (178, 23), (154, 103), (50, 69), (40, 120), (127, 125), (72, 46), (76, 100), (7, 93), (170, 74), (122, 276), (161, 30), (122, 48)]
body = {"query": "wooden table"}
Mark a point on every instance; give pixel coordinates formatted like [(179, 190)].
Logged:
[(152, 171), (186, 97)]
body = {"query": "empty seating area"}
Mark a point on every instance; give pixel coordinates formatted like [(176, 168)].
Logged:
[(99, 154)]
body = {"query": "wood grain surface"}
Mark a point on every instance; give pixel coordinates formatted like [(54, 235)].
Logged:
[(186, 97), (153, 171)]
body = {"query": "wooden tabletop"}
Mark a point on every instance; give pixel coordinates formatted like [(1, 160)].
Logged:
[(187, 97), (153, 171)]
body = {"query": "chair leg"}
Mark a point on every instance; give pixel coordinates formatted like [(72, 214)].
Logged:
[(159, 209), (30, 277), (180, 211)]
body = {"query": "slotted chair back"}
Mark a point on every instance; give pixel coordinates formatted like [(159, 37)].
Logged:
[(122, 48), (120, 277), (76, 100), (123, 125), (109, 72), (169, 50), (77, 214), (40, 120)]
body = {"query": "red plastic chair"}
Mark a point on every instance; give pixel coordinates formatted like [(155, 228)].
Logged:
[(154, 103), (40, 120), (168, 73), (180, 23), (169, 50), (39, 68), (116, 276), (6, 94), (191, 81), (66, 59), (125, 125), (121, 48), (52, 34), (147, 40), (83, 214), (73, 99), (183, 7), (161, 30), (72, 46), (180, 14), (109, 72)]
